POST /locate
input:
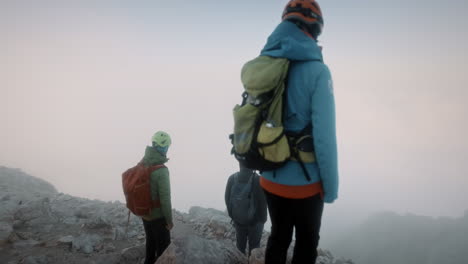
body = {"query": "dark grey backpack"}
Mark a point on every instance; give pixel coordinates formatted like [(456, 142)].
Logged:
[(242, 204)]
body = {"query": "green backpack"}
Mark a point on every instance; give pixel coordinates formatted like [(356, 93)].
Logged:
[(259, 139)]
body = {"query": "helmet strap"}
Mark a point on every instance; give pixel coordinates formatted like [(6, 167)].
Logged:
[(307, 29)]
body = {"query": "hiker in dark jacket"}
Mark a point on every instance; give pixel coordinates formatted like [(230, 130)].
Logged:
[(246, 205), (296, 202), (159, 222)]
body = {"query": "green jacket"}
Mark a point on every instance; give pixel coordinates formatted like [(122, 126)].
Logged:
[(160, 186)]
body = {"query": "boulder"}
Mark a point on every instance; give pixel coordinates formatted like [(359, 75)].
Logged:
[(65, 240), (193, 250), (211, 223), (132, 254), (86, 243), (257, 256)]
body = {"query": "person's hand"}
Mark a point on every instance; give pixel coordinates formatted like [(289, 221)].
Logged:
[(169, 226)]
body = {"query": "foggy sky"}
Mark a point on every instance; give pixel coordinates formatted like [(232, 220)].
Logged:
[(84, 86)]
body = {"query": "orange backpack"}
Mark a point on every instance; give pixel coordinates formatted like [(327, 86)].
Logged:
[(137, 189)]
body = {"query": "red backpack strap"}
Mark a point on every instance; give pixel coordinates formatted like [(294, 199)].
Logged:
[(155, 167)]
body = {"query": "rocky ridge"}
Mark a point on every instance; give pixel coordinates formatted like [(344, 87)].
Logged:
[(39, 225)]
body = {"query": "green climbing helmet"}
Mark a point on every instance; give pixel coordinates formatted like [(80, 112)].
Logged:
[(161, 139)]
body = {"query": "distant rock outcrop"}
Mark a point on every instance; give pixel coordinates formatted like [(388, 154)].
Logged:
[(40, 225)]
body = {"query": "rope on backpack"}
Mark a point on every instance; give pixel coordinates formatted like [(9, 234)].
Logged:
[(298, 157)]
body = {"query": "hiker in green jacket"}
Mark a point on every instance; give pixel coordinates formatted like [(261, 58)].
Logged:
[(159, 222)]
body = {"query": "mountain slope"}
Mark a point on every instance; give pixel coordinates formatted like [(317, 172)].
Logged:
[(39, 225)]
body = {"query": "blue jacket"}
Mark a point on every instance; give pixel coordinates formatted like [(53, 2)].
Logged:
[(309, 99)]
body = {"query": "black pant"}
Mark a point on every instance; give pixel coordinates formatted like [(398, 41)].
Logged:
[(253, 233), (158, 239), (303, 214)]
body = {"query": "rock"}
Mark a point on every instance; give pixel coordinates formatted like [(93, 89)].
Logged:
[(343, 261), (17, 224), (23, 186), (35, 214), (211, 223), (86, 243), (47, 228), (133, 254), (193, 249), (257, 256), (51, 244), (324, 257), (35, 260), (200, 212), (77, 230), (7, 209), (65, 240), (114, 258), (6, 229), (169, 256), (24, 235), (105, 247), (97, 223), (25, 214), (25, 244), (118, 233), (220, 226), (108, 248), (13, 238), (82, 211)]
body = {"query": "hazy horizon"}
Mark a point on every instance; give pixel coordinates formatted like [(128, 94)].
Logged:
[(83, 86)]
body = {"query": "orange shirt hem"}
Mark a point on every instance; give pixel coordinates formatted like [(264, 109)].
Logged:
[(292, 192)]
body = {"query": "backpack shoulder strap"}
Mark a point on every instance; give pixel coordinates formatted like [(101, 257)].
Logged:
[(156, 167), (252, 178), (252, 181)]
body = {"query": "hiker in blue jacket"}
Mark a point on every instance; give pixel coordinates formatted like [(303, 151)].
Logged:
[(294, 202), (246, 205)]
